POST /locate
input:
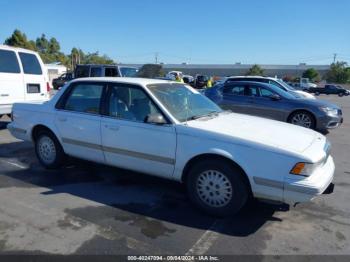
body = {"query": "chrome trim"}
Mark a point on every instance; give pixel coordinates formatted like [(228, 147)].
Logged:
[(301, 189), (268, 182), (120, 151)]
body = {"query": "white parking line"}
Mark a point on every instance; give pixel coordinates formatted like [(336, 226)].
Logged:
[(206, 240), (13, 164)]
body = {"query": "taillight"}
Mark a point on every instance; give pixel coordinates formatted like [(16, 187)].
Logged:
[(48, 88)]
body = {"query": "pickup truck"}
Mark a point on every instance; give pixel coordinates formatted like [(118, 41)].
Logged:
[(169, 129), (330, 90)]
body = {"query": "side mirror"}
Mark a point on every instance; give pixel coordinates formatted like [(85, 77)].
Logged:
[(156, 119), (275, 97)]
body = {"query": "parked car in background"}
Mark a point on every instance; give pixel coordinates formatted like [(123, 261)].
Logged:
[(174, 74), (60, 81), (23, 78), (188, 79), (95, 70), (330, 90), (168, 129), (274, 81), (200, 81), (267, 100), (305, 84)]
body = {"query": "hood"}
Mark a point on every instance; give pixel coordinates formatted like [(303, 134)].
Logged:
[(256, 130), (305, 94)]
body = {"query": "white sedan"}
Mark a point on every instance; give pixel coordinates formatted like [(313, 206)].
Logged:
[(170, 130)]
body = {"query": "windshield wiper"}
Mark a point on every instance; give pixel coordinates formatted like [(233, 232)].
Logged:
[(210, 114)]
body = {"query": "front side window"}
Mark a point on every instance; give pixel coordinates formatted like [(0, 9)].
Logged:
[(128, 71), (130, 103), (30, 64), (265, 92), (182, 102), (8, 62), (84, 98)]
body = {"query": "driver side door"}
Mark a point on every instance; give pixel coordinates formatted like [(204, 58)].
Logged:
[(128, 141)]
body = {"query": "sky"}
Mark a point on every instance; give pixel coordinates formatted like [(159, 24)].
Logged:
[(189, 31)]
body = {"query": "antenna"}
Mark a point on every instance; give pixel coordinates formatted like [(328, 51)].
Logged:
[(334, 57)]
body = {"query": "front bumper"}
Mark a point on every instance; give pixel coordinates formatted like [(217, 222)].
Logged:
[(304, 190), (329, 122)]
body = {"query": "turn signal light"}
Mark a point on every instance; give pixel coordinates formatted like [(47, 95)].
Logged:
[(298, 169)]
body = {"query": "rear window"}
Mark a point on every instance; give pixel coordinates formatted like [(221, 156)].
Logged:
[(30, 64), (8, 62)]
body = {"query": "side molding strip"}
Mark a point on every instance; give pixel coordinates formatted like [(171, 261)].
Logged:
[(119, 151)]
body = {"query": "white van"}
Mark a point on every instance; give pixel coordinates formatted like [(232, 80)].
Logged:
[(23, 78)]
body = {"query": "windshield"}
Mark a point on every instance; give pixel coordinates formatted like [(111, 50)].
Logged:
[(183, 102), (285, 85), (128, 71)]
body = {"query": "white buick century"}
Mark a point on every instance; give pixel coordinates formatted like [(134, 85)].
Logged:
[(170, 130)]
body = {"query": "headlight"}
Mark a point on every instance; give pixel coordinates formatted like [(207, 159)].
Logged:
[(329, 110), (303, 169)]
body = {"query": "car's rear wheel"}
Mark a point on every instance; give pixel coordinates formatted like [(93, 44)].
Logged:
[(217, 187), (49, 150), (317, 93), (302, 118)]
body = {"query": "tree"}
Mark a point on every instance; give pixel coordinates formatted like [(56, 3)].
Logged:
[(255, 70), (150, 71), (338, 73), (312, 74), (42, 44), (19, 39)]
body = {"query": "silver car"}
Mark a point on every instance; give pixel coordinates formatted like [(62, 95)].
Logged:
[(269, 101)]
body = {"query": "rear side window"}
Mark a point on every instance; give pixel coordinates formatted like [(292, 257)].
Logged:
[(237, 90), (96, 72), (84, 98), (30, 64), (8, 62), (82, 71), (111, 72)]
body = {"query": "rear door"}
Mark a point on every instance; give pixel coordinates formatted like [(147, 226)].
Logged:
[(78, 120), (234, 98), (11, 79), (33, 77)]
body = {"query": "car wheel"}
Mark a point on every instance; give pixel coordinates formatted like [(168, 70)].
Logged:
[(340, 94), (303, 118), (217, 188), (49, 150)]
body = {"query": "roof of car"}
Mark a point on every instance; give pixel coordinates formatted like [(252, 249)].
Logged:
[(266, 77), (126, 80), (6, 47)]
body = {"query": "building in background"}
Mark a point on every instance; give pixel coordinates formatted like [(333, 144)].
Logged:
[(241, 69)]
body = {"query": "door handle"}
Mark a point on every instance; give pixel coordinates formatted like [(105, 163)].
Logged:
[(113, 128), (62, 119)]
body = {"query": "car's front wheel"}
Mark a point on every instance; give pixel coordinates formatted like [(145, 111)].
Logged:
[(340, 94), (49, 150), (302, 118), (217, 187)]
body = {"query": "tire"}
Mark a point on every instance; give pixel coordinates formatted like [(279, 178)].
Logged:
[(49, 150), (201, 187), (302, 118), (340, 94), (317, 93)]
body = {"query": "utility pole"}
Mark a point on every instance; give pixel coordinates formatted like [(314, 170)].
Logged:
[(334, 57), (156, 57)]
